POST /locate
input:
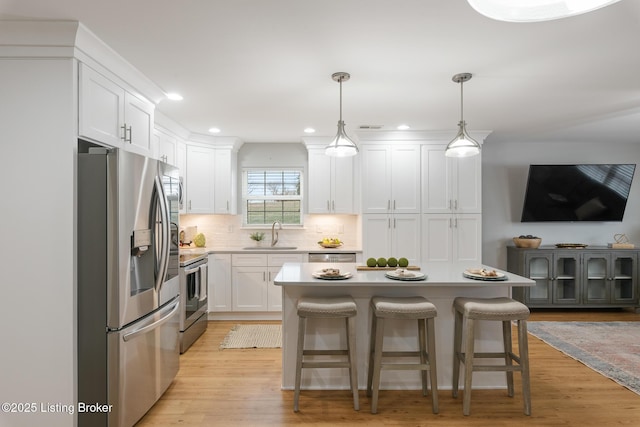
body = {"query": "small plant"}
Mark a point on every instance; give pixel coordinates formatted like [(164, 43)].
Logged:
[(257, 236)]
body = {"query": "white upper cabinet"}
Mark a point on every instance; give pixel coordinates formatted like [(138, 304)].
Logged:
[(224, 194), (211, 180), (450, 185), (390, 178), (111, 115), (166, 147), (330, 183), (200, 179)]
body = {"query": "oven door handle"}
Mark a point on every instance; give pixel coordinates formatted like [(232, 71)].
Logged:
[(203, 282), (191, 270)]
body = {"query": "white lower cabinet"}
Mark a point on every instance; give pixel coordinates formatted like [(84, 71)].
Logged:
[(252, 281), (447, 238), (395, 235), (219, 276)]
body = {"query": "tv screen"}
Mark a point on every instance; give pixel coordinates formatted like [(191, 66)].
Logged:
[(577, 192)]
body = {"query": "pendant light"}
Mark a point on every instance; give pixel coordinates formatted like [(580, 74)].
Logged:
[(342, 145), (462, 145), (535, 10)]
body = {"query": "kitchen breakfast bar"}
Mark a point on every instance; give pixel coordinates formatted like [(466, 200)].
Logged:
[(442, 284)]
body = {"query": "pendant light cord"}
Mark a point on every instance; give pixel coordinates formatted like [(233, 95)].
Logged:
[(461, 102), (340, 98)]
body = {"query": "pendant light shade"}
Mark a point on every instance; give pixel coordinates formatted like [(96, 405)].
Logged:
[(535, 10), (341, 145), (462, 145)]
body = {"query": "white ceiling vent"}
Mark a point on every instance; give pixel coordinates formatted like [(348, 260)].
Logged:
[(370, 127)]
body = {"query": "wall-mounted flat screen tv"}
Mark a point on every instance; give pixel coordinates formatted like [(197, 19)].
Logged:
[(586, 192)]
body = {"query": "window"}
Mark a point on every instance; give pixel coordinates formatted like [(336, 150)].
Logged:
[(272, 195)]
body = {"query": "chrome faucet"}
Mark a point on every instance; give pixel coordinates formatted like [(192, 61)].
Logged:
[(274, 232)]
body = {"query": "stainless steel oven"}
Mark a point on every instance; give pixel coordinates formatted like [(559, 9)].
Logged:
[(193, 297)]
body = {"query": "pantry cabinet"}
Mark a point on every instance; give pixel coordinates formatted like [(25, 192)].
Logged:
[(452, 238), (330, 183), (111, 114), (387, 236), (390, 178), (252, 281), (589, 277)]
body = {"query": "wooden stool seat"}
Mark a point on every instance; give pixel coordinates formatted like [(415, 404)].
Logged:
[(327, 307), (505, 310), (424, 312)]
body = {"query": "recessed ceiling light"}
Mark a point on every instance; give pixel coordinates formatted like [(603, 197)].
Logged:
[(174, 96), (214, 130), (309, 130), (404, 127)]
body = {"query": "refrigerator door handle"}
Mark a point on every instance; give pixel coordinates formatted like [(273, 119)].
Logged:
[(152, 326), (163, 263)]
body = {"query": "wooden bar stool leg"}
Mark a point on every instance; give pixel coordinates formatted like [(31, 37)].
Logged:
[(431, 337), (457, 349), (508, 351), (377, 361), (468, 365), (302, 324), (422, 349), (353, 360), (372, 346), (523, 345)]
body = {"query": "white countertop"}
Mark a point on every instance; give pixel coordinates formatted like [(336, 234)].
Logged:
[(438, 274), (269, 250)]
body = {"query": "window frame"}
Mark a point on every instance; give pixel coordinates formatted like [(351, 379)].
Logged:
[(246, 197)]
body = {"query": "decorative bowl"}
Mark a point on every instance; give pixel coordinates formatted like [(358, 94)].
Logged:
[(527, 243)]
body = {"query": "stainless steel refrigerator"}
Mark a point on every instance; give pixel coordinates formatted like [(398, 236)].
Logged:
[(128, 285)]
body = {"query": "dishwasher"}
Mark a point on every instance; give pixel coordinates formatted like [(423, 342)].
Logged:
[(332, 257)]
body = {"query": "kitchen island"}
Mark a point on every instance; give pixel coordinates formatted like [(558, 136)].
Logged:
[(443, 283)]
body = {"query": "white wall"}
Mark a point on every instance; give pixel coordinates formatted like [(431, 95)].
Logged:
[(505, 169), (37, 311)]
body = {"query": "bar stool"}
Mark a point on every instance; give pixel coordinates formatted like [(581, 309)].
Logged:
[(500, 309), (403, 308), (329, 307)]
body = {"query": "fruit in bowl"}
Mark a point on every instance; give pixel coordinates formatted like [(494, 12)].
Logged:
[(527, 241), (332, 242)]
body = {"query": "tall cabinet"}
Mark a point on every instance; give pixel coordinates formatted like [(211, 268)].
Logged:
[(391, 200), (589, 277), (451, 206)]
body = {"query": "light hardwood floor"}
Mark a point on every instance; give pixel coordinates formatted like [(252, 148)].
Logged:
[(242, 388)]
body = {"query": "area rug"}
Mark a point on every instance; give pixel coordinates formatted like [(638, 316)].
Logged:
[(610, 348), (253, 336)]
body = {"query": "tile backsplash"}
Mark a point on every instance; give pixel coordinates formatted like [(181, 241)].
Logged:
[(227, 232)]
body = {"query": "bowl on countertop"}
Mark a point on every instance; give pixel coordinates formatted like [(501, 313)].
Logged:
[(529, 243)]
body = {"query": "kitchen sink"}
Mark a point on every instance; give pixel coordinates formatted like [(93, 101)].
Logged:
[(270, 248)]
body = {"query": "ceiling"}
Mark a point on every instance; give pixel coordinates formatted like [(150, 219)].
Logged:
[(261, 70)]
